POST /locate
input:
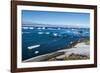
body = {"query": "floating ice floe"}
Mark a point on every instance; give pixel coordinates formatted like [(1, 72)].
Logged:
[(36, 52), (68, 31), (47, 33), (40, 32), (32, 47), (43, 27), (71, 42), (76, 32), (73, 29), (25, 27), (55, 34), (38, 28), (31, 28)]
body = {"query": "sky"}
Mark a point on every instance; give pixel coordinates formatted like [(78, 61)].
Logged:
[(56, 18)]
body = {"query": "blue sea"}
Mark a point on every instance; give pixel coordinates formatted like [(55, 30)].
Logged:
[(40, 41)]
